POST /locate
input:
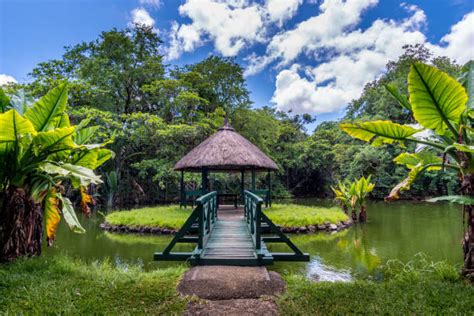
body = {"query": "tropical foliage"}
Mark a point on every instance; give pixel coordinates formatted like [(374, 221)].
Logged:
[(443, 134), (41, 156), (352, 195), (156, 113)]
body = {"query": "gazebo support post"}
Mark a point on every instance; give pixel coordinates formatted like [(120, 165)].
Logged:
[(204, 181), (181, 188), (253, 180), (242, 182)]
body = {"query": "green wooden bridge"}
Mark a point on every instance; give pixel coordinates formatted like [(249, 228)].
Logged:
[(236, 237), (228, 237)]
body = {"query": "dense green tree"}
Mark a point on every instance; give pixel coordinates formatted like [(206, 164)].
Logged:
[(109, 72)]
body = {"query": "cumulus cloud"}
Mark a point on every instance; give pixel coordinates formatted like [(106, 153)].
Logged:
[(280, 11), (6, 79), (231, 25), (141, 16), (458, 43), (353, 59), (339, 54)]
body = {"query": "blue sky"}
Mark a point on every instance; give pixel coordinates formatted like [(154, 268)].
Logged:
[(305, 55)]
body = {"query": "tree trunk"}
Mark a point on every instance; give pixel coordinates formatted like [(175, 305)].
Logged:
[(354, 215), (362, 214), (468, 240), (21, 225)]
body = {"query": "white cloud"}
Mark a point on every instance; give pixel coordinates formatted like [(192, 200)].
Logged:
[(151, 3), (459, 41), (280, 11), (231, 25), (6, 79), (141, 16), (354, 59)]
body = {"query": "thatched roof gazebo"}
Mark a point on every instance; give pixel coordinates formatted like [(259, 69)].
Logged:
[(226, 151)]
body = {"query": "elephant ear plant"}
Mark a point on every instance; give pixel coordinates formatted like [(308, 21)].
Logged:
[(442, 107), (40, 154)]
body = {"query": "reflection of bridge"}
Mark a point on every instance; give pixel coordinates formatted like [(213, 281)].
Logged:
[(230, 236)]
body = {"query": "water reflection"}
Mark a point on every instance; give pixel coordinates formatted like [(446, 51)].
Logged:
[(320, 272), (394, 231)]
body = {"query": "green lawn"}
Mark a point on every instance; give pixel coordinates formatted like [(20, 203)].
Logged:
[(293, 215), (159, 216), (410, 295), (287, 215), (61, 285)]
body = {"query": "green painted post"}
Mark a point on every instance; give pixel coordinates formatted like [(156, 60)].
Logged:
[(258, 218), (253, 180), (269, 188)]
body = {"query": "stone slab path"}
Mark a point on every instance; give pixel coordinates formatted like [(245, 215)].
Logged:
[(231, 290)]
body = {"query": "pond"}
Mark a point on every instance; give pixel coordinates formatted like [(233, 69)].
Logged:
[(398, 230)]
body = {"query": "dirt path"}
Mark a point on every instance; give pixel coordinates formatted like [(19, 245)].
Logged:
[(231, 290)]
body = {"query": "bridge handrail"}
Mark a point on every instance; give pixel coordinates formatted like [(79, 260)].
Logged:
[(253, 216), (207, 206)]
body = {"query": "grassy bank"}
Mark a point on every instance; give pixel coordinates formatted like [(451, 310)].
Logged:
[(293, 215), (430, 289), (61, 285), (172, 217)]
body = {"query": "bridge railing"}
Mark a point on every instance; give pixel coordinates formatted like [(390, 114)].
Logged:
[(207, 208), (253, 216), (203, 216)]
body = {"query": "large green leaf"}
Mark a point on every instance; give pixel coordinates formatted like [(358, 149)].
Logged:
[(56, 140), (437, 100), (458, 199), (464, 147), (70, 216), (85, 134), (401, 98), (46, 113), (79, 176), (415, 160), (379, 132), (13, 125)]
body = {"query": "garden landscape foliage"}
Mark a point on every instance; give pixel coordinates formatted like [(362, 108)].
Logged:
[(155, 113)]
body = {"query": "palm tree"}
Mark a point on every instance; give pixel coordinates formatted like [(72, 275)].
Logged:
[(445, 138), (41, 154)]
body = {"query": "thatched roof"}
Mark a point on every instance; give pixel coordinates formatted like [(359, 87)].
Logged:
[(225, 150)]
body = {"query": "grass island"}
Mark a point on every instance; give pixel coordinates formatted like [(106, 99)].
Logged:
[(168, 219)]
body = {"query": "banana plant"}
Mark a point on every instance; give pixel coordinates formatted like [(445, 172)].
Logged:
[(40, 154), (443, 135), (363, 186), (341, 193)]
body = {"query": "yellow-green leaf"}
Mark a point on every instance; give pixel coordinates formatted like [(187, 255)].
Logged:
[(46, 113), (437, 100), (70, 216), (379, 132), (55, 140), (52, 215), (13, 125)]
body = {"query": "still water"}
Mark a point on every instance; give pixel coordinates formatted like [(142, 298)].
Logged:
[(394, 231)]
